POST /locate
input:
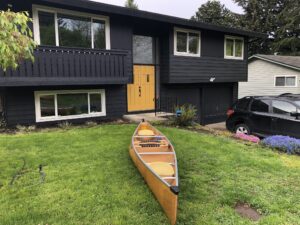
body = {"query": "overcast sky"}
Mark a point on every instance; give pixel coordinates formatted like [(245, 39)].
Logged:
[(179, 8)]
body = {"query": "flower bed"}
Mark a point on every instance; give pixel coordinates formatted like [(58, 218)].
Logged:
[(283, 143), (246, 137)]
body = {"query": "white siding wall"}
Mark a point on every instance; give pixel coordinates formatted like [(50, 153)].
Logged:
[(261, 79)]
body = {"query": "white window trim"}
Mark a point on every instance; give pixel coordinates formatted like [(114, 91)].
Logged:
[(234, 38), (285, 76), (36, 26), (38, 94), (198, 54)]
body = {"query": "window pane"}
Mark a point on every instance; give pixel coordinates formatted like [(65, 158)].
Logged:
[(260, 106), (72, 104), (181, 42), (74, 31), (47, 28), (95, 103), (290, 81), (238, 48), (99, 34), (280, 81), (194, 43), (47, 104), (284, 108), (229, 47), (143, 50), (243, 104)]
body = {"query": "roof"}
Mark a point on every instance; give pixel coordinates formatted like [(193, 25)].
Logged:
[(292, 62), (118, 10)]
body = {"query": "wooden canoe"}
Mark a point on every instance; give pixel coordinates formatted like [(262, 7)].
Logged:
[(154, 156)]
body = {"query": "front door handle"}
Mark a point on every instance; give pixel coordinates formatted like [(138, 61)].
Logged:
[(140, 91)]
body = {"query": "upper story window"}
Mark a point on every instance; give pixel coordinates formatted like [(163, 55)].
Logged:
[(286, 81), (70, 29), (234, 47), (187, 42)]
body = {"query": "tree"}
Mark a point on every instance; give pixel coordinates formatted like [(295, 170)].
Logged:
[(16, 41), (287, 39), (278, 19), (131, 4), (216, 13)]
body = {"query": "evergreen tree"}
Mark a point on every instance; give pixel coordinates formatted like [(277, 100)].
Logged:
[(287, 37), (216, 13), (278, 19), (131, 4)]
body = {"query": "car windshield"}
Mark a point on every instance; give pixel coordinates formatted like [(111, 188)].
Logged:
[(297, 103)]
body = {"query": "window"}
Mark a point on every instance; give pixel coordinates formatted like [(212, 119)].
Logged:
[(60, 105), (234, 47), (283, 108), (143, 50), (285, 81), (70, 29), (74, 31), (242, 104), (186, 42), (47, 28), (47, 105), (260, 106)]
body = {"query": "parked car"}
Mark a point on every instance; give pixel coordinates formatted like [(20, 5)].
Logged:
[(266, 115)]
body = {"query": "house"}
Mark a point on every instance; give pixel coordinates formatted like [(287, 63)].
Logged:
[(98, 61), (271, 75)]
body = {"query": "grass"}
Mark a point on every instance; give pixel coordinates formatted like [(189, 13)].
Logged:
[(90, 179)]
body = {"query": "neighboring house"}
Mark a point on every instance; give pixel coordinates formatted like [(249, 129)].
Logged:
[(271, 75), (101, 61)]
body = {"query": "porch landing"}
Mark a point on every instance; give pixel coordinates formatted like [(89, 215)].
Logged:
[(136, 118)]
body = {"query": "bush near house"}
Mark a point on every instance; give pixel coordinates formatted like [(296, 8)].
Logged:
[(283, 143), (185, 115)]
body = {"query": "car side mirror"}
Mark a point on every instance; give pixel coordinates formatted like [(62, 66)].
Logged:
[(295, 114)]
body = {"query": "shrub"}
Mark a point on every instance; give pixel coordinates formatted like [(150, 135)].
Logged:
[(25, 129), (246, 137), (65, 125), (2, 122), (187, 116), (283, 143), (91, 124)]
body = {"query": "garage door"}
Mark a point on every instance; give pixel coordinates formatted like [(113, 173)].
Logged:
[(215, 102)]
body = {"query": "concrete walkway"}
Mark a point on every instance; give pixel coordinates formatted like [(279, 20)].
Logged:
[(136, 118)]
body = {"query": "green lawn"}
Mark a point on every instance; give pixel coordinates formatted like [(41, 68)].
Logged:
[(90, 179)]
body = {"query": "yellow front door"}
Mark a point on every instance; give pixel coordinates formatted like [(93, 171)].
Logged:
[(141, 94)]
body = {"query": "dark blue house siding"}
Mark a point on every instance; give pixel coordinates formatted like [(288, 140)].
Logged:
[(20, 105)]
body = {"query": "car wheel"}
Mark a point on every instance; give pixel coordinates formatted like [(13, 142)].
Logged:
[(242, 129)]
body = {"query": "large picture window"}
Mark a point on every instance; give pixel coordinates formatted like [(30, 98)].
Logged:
[(70, 29), (186, 42), (60, 105), (234, 47), (285, 81)]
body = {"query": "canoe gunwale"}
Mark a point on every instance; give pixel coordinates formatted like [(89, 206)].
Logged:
[(172, 187)]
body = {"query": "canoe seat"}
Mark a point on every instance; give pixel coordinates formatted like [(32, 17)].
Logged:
[(162, 169), (146, 133)]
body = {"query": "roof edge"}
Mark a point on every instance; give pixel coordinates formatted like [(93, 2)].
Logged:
[(273, 61)]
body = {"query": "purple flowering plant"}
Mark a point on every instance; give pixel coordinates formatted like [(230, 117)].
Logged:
[(283, 143)]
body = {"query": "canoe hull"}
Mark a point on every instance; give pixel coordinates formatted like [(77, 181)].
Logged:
[(167, 199)]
